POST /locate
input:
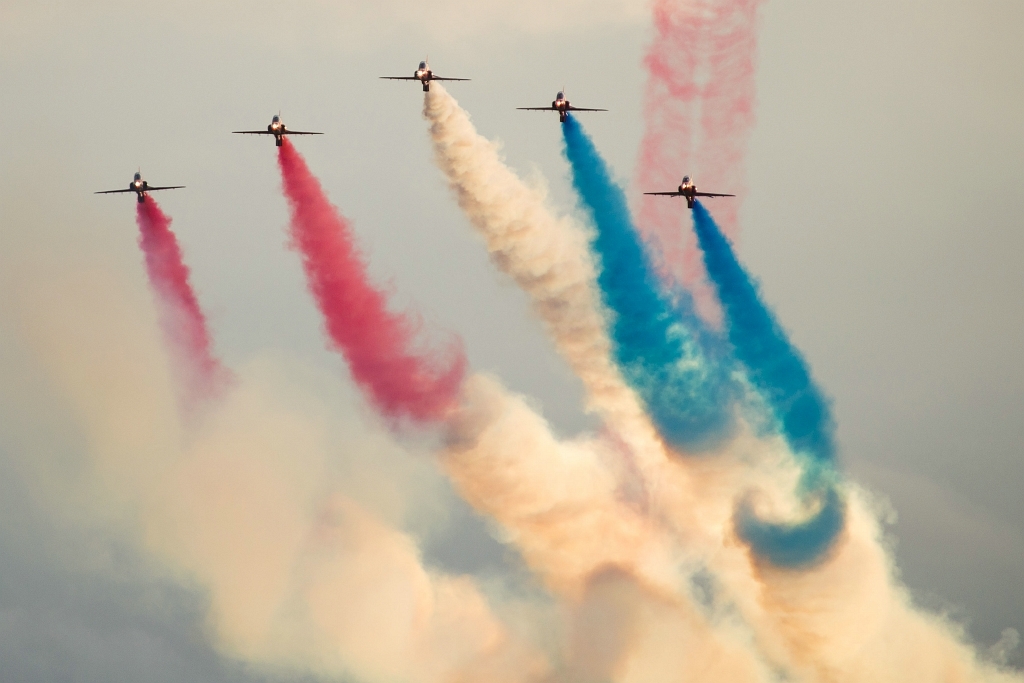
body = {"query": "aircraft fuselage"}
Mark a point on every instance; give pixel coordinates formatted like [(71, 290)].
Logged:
[(688, 190), (561, 105), (425, 75), (277, 129), (139, 187)]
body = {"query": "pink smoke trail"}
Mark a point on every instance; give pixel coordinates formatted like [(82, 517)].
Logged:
[(375, 342), (698, 113), (180, 315)]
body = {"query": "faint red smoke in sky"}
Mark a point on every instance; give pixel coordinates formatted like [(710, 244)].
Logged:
[(698, 115)]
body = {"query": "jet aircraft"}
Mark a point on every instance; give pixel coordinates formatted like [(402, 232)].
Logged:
[(277, 129), (689, 190), (140, 187), (424, 75), (561, 105)]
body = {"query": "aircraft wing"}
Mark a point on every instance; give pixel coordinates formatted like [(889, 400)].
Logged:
[(712, 194), (168, 187), (112, 191), (253, 132), (536, 108), (572, 108), (438, 78), (298, 132), (400, 78), (666, 194)]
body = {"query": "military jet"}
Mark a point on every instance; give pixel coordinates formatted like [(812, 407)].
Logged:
[(561, 105), (689, 190), (424, 75), (277, 129), (140, 187)]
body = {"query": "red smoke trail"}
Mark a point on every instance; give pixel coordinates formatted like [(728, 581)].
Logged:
[(698, 113), (376, 343), (181, 317)]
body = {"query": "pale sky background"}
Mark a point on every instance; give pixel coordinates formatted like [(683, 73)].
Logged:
[(884, 220)]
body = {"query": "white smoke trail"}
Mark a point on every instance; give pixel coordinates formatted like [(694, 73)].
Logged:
[(561, 505), (850, 619), (559, 502), (548, 258)]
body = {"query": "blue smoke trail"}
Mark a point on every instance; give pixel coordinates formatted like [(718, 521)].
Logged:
[(778, 371), (660, 344), (774, 366)]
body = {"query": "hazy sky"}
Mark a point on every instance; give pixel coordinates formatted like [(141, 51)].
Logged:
[(884, 220)]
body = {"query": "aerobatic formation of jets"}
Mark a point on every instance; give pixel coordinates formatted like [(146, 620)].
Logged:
[(424, 74)]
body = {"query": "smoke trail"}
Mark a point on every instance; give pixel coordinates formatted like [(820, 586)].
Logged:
[(182, 319), (278, 513), (375, 342), (558, 500), (689, 398), (666, 149), (795, 544), (698, 111), (774, 366), (727, 102), (780, 374), (548, 258), (849, 619), (613, 563)]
